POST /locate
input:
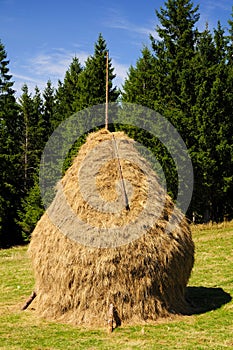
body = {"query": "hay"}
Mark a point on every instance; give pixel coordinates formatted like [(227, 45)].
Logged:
[(145, 278)]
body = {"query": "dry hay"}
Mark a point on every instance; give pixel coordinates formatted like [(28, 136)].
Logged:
[(144, 279)]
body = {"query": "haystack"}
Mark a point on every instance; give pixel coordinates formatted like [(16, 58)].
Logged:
[(88, 254)]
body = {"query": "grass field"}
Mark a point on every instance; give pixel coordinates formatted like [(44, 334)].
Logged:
[(210, 288)]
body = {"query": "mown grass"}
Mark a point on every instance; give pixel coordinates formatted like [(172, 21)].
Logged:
[(210, 289)]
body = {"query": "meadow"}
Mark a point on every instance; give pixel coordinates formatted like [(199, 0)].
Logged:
[(210, 289)]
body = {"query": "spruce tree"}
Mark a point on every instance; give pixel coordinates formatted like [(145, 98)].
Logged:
[(225, 144), (67, 94), (48, 114), (140, 85), (38, 127), (30, 110), (192, 78), (10, 167), (31, 210), (170, 76), (93, 78), (34, 137), (211, 117), (230, 40), (174, 49), (83, 88), (220, 41)]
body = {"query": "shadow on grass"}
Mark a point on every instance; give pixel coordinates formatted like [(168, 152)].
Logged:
[(202, 299)]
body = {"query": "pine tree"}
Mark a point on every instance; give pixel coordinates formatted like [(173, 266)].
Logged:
[(82, 88), (224, 147), (230, 40), (174, 49), (48, 114), (211, 116), (140, 85), (174, 52), (31, 109), (192, 77), (34, 136), (192, 96), (37, 127), (31, 210), (10, 167), (67, 94), (93, 78), (170, 76), (220, 41)]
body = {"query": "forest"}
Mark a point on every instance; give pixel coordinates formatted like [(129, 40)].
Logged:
[(186, 76)]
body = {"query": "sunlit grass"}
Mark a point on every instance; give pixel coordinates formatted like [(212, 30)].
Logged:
[(212, 286)]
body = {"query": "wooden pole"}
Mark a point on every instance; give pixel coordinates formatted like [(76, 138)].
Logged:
[(110, 318), (29, 300), (106, 104), (123, 188)]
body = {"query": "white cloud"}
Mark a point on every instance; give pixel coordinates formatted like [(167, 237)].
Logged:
[(117, 21), (121, 72), (25, 78), (54, 64), (44, 66), (211, 12), (130, 27), (31, 81), (224, 5)]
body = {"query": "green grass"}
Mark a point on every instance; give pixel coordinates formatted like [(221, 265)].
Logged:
[(210, 288)]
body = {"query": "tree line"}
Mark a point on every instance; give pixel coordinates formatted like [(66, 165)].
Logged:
[(186, 75)]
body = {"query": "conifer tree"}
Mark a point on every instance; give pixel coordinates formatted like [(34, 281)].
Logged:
[(174, 49), (93, 78), (67, 94), (230, 40), (48, 114), (38, 127), (171, 75), (140, 85), (30, 110), (212, 120), (34, 136), (31, 210), (220, 41), (192, 77), (224, 148), (10, 167)]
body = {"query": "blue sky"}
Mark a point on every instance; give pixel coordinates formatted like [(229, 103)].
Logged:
[(42, 37)]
